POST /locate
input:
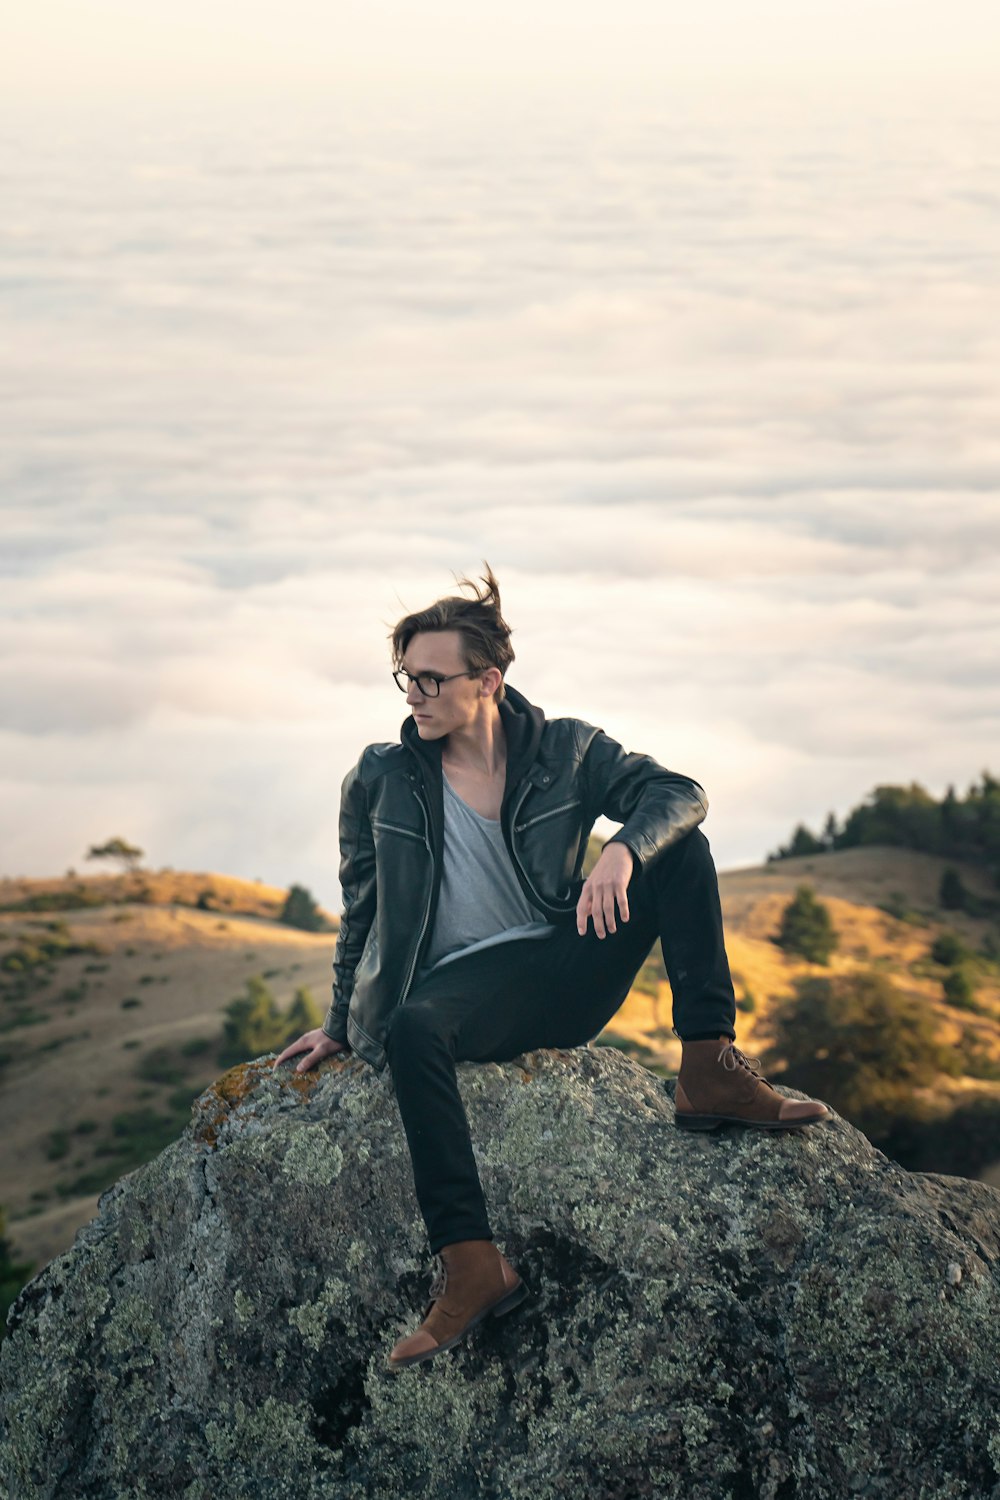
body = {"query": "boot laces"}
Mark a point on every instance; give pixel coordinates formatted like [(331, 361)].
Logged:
[(440, 1278), (732, 1058)]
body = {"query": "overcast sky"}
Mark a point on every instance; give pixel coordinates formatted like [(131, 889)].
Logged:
[(689, 323)]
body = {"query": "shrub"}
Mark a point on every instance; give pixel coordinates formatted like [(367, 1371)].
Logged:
[(952, 893), (856, 1042), (747, 1002), (195, 1046), (807, 928), (978, 1061), (948, 949), (959, 989), (300, 910), (159, 1066), (13, 1274)]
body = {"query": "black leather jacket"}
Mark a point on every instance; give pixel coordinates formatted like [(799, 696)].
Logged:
[(562, 774)]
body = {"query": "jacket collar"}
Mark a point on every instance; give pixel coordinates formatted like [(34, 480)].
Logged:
[(522, 724)]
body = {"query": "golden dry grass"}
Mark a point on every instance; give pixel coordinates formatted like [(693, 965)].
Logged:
[(200, 960)]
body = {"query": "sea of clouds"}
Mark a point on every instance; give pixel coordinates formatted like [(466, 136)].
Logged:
[(716, 395)]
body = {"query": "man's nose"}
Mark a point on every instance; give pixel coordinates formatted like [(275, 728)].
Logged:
[(413, 694)]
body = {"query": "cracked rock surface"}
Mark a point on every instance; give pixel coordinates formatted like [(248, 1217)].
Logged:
[(742, 1315)]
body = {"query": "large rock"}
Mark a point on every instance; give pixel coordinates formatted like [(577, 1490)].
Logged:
[(743, 1314)]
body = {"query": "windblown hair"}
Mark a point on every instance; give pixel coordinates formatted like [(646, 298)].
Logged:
[(485, 633)]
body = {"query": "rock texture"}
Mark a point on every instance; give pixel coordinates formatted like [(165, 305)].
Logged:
[(715, 1317)]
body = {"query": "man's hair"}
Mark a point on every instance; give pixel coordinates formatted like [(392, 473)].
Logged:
[(485, 634)]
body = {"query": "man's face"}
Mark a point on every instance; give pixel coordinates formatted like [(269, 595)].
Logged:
[(459, 701)]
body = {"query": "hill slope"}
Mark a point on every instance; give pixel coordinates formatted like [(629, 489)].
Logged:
[(83, 1073)]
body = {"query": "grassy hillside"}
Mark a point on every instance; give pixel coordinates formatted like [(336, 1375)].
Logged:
[(113, 993), (111, 1014), (884, 907)]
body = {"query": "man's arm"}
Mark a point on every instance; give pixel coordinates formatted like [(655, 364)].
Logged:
[(655, 807), (357, 880)]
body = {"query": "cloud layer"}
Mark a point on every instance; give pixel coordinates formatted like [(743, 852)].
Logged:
[(717, 401)]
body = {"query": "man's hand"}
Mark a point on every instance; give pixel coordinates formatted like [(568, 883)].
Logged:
[(606, 884), (316, 1043)]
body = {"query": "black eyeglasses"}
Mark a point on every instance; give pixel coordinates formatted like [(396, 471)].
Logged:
[(428, 683)]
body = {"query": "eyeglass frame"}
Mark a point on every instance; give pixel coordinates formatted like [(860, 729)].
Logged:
[(431, 677)]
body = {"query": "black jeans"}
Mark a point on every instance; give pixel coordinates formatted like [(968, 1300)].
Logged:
[(557, 991)]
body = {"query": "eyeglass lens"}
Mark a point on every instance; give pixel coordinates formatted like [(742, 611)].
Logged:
[(429, 686)]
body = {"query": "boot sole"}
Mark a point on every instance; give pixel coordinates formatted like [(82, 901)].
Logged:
[(513, 1299), (711, 1122)]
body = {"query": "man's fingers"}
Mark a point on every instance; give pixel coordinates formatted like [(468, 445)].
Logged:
[(292, 1050), (599, 904), (600, 915)]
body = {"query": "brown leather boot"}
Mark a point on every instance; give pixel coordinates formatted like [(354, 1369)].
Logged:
[(717, 1083), (474, 1280)]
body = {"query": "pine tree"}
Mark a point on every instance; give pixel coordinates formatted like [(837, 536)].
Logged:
[(807, 927), (952, 894), (300, 910)]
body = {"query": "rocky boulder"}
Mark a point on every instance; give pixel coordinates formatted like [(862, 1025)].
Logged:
[(742, 1315)]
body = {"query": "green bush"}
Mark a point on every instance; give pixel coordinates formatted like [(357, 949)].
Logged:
[(953, 894), (195, 1046), (978, 1061), (159, 1066), (948, 949), (13, 1274), (959, 989), (255, 1024), (747, 1002), (807, 927), (960, 1143), (300, 910), (856, 1042)]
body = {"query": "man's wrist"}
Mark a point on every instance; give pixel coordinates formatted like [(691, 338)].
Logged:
[(616, 844)]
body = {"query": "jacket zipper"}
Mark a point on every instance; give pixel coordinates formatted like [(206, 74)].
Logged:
[(430, 892), (516, 827), (552, 813), (398, 828)]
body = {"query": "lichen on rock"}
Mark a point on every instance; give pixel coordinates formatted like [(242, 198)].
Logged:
[(713, 1316)]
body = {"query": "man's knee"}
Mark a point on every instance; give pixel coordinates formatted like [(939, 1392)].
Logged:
[(412, 1026), (691, 849)]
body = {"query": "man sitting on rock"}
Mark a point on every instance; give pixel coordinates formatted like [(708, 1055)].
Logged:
[(468, 932)]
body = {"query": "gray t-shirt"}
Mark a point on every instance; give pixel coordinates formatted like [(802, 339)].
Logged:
[(481, 902)]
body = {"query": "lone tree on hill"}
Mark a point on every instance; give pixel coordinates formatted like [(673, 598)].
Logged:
[(300, 910), (952, 893), (856, 1042), (801, 842), (807, 927), (116, 848)]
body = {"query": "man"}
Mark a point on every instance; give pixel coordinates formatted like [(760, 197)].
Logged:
[(468, 932)]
